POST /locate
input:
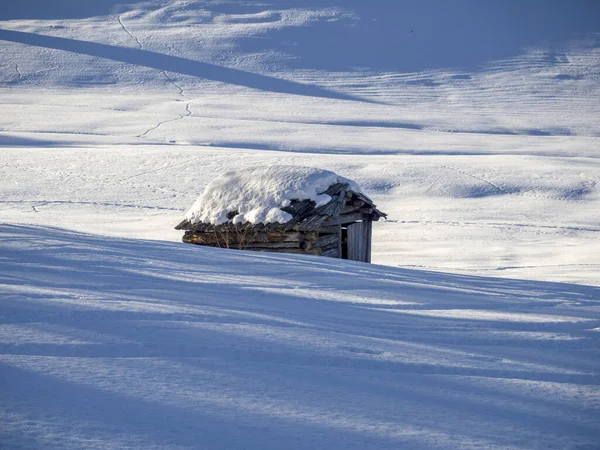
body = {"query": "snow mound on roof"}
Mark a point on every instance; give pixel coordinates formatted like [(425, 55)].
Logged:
[(257, 194)]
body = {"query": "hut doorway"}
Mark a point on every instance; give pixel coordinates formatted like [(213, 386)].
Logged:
[(356, 241)]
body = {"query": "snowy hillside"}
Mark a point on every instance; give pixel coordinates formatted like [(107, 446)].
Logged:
[(110, 343), (474, 125)]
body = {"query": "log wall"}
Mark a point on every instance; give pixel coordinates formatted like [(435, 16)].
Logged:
[(300, 242)]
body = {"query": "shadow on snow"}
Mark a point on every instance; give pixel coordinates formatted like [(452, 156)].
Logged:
[(175, 64), (195, 346)]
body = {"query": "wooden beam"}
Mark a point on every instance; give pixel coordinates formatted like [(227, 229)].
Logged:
[(305, 245), (298, 251), (329, 229), (234, 237), (352, 217)]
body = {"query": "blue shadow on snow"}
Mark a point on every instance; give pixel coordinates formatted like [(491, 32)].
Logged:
[(175, 64)]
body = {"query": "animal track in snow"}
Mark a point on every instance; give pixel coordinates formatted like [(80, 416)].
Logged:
[(126, 30), (188, 111)]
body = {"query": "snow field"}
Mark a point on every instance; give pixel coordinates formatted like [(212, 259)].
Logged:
[(112, 343), (473, 126)]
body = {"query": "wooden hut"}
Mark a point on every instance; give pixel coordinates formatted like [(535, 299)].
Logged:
[(339, 227)]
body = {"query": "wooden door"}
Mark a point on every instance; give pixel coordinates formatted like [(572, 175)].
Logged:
[(359, 241)]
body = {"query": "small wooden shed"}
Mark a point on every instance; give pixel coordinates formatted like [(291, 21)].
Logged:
[(340, 227)]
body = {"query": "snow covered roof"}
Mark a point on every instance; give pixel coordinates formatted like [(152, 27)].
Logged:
[(265, 195)]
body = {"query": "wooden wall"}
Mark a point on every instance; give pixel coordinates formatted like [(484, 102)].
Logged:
[(302, 242)]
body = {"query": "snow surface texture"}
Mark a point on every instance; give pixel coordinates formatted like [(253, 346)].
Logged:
[(256, 194), (117, 343)]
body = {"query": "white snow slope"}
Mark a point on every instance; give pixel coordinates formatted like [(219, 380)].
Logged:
[(114, 343), (474, 125)]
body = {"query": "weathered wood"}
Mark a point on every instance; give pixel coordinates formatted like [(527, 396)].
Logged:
[(331, 253), (336, 188), (363, 198), (356, 242), (183, 225), (327, 239), (329, 209), (295, 244), (299, 208), (312, 229), (339, 205), (312, 223), (377, 215), (340, 241), (298, 251), (247, 236), (352, 217), (328, 229), (368, 238), (352, 206)]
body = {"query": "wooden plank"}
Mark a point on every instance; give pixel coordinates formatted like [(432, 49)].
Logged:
[(340, 243), (352, 206), (335, 189), (369, 238), (183, 225), (357, 244), (339, 205), (352, 217), (329, 229), (234, 237), (363, 198), (253, 245), (330, 246), (327, 239), (297, 251), (313, 223), (333, 253)]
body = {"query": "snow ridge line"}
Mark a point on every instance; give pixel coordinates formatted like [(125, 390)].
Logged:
[(139, 44)]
